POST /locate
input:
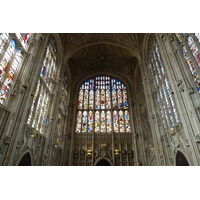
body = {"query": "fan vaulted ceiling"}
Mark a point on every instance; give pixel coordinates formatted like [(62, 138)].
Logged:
[(89, 52)]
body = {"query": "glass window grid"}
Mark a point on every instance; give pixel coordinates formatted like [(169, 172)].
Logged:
[(192, 58), (101, 111), (38, 116), (10, 63), (165, 102)]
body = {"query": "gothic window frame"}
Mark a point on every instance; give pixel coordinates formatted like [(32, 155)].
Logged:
[(103, 105), (14, 60), (40, 109), (193, 68), (164, 102)]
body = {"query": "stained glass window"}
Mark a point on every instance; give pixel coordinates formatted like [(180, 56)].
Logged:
[(10, 60), (38, 116), (196, 54), (24, 39), (164, 98), (103, 106), (3, 41)]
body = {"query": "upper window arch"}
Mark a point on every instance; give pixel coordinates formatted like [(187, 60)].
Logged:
[(103, 106)]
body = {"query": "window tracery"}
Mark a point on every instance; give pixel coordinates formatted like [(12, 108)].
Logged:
[(195, 53), (10, 63), (38, 116), (103, 106), (165, 102)]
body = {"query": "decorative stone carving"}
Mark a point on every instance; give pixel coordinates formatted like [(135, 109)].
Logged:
[(197, 138)]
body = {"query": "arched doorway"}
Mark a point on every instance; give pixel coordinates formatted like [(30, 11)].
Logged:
[(103, 162), (181, 160), (25, 160)]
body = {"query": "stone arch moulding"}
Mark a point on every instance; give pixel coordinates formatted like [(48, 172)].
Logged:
[(22, 155), (102, 158), (184, 154)]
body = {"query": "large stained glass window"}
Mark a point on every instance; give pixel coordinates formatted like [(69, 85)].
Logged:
[(103, 106), (10, 63), (195, 53), (164, 99), (38, 116)]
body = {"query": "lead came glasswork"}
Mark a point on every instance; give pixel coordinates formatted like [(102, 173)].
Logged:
[(3, 41), (106, 104), (196, 54), (164, 98), (38, 116)]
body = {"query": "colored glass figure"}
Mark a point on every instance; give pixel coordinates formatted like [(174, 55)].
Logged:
[(97, 121), (24, 38), (3, 41), (91, 84), (80, 100), (78, 122), (125, 99), (9, 79), (194, 49), (103, 102), (91, 99), (90, 121), (85, 105), (84, 122), (114, 99), (109, 122), (127, 121), (108, 102), (156, 67), (103, 122), (7, 58), (115, 121), (48, 68), (97, 99), (119, 95), (121, 121)]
